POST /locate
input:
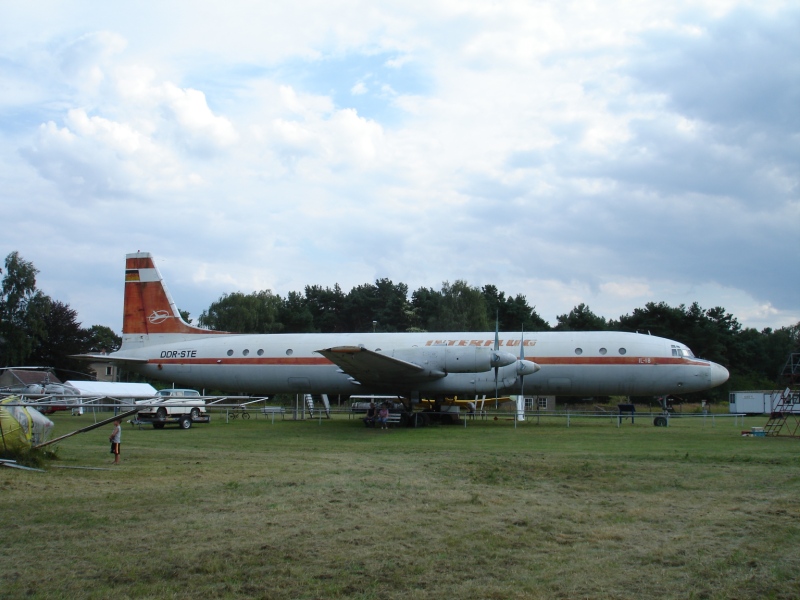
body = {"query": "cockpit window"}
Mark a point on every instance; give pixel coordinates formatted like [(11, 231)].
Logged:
[(681, 351)]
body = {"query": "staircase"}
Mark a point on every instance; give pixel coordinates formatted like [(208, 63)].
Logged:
[(785, 416), (310, 399)]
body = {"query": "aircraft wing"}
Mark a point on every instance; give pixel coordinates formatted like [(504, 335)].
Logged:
[(110, 358), (369, 367)]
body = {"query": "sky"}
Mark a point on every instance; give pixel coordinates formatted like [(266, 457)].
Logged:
[(605, 153)]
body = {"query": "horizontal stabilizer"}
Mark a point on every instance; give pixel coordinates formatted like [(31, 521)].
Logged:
[(110, 359)]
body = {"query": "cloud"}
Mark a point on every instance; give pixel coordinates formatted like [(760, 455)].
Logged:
[(359, 89), (333, 138), (611, 155), (83, 60), (96, 158), (200, 128), (740, 70)]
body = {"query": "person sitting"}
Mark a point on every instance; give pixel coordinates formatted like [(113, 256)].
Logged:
[(383, 416), (372, 413)]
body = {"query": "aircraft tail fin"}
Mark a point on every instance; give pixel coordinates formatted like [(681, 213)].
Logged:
[(149, 309)]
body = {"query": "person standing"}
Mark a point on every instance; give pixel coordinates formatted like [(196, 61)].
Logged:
[(116, 440)]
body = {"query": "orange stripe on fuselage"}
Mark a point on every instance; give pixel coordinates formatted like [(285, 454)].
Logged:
[(614, 360), (542, 360), (304, 361)]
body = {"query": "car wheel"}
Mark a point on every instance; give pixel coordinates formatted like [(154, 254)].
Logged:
[(186, 423), (161, 413), (195, 413)]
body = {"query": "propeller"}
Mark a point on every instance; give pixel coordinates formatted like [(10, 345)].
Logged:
[(524, 367), (521, 358), (520, 369), (496, 349)]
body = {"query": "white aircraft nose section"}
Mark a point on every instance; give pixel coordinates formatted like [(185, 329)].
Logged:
[(719, 375), (527, 367)]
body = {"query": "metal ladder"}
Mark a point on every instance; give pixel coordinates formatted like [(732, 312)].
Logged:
[(323, 398), (784, 414)]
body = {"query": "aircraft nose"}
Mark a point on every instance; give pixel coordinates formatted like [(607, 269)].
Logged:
[(719, 375)]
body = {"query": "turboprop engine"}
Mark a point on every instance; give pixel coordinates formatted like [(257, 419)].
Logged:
[(455, 359)]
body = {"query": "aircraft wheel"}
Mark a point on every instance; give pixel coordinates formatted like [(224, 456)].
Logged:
[(186, 423), (158, 426), (161, 413)]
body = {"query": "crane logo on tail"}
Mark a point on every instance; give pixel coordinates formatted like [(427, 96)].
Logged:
[(158, 316)]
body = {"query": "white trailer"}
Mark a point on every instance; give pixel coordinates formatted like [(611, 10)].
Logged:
[(754, 402)]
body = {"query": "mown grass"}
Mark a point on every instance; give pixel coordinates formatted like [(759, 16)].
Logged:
[(333, 510)]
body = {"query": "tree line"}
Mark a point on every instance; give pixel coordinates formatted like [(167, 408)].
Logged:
[(754, 358), (36, 330)]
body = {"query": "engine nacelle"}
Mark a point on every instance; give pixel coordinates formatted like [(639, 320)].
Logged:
[(455, 359)]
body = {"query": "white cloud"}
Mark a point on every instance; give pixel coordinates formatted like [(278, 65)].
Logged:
[(572, 153), (359, 89), (196, 119), (96, 158), (83, 61)]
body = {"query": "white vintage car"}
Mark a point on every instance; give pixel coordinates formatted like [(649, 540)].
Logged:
[(185, 406)]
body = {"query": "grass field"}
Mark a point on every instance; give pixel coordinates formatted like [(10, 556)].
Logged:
[(306, 509)]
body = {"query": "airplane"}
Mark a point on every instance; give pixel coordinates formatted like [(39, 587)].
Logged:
[(160, 345)]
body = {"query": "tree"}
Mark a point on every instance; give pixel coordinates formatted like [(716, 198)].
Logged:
[(513, 314), (61, 336), (382, 306), (425, 306), (581, 318), (20, 309), (101, 339), (463, 308), (294, 315), (243, 313), (326, 306)]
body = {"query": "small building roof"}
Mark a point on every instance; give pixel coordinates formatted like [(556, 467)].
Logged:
[(12, 377), (114, 389)]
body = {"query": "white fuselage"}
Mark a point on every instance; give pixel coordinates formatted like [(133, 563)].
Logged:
[(571, 363)]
